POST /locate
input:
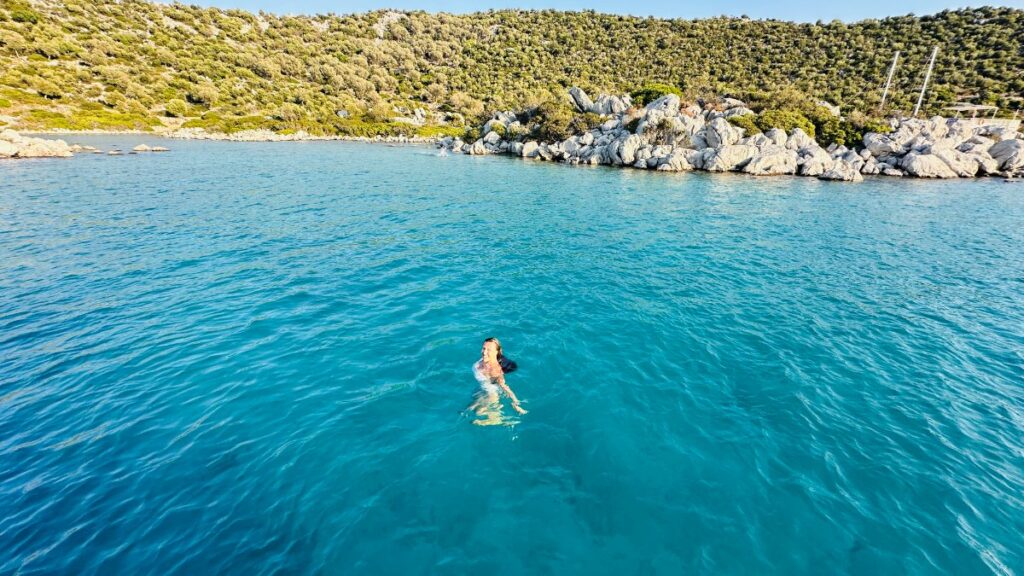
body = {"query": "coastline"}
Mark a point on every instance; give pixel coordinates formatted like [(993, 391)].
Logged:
[(242, 136), (669, 135)]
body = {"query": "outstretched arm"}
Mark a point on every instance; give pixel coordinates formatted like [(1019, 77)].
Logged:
[(511, 394)]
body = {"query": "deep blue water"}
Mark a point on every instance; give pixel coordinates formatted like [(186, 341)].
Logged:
[(254, 358)]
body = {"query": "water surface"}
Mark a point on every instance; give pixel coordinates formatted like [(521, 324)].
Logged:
[(252, 358)]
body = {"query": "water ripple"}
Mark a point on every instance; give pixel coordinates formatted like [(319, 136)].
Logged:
[(250, 358)]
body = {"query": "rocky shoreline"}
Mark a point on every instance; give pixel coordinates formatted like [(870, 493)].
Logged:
[(14, 145), (665, 135), (247, 136), (271, 136)]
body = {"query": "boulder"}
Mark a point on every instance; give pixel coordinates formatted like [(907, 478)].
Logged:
[(759, 140), (14, 145), (667, 104), (882, 145), (814, 161), (798, 140), (43, 148), (872, 167), (772, 161), (777, 136), (581, 100), (842, 171), (986, 163), (478, 147), (606, 104), (623, 150), (738, 111), (719, 132), (676, 161), (529, 149), (964, 165), (926, 166), (729, 157), (491, 137), (1009, 154), (141, 148), (890, 171)]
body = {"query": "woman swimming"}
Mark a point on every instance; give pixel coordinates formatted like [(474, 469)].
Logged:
[(490, 372)]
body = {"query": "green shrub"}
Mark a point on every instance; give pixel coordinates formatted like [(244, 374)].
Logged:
[(747, 123), (46, 88), (879, 126), (582, 122), (785, 120), (24, 14), (231, 124), (5, 103), (651, 92), (438, 131), (88, 120), (553, 121), (176, 108)]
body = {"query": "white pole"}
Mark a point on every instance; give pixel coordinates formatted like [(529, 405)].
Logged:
[(888, 80), (927, 76)]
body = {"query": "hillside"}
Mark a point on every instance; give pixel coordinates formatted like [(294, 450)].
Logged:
[(134, 64)]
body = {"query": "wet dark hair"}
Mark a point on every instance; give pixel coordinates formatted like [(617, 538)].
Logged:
[(507, 364)]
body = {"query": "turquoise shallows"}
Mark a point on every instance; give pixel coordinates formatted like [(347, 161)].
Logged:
[(253, 359)]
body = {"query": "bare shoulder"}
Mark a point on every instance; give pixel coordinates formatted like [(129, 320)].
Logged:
[(494, 370)]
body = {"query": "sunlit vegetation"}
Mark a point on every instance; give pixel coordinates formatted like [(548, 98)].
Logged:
[(103, 64)]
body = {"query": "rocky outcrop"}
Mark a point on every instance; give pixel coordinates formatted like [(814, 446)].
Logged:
[(844, 171), (668, 136), (1009, 154), (581, 100), (14, 145), (926, 166), (729, 157), (772, 161), (719, 132)]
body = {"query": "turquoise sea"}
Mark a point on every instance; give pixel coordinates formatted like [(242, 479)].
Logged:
[(253, 358)]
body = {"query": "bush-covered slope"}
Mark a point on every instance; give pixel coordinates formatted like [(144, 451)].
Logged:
[(109, 64)]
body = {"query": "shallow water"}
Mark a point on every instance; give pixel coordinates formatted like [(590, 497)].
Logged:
[(254, 358)]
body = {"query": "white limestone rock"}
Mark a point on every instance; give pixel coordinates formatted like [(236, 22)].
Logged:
[(842, 171), (1009, 154), (729, 157), (719, 132), (581, 100), (926, 166), (772, 161), (798, 140), (677, 161), (814, 161), (777, 136)]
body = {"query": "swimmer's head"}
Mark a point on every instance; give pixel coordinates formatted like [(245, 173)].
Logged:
[(491, 349)]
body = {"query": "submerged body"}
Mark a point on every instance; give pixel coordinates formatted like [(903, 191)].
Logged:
[(489, 373)]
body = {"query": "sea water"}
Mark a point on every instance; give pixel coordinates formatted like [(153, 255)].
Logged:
[(254, 358)]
